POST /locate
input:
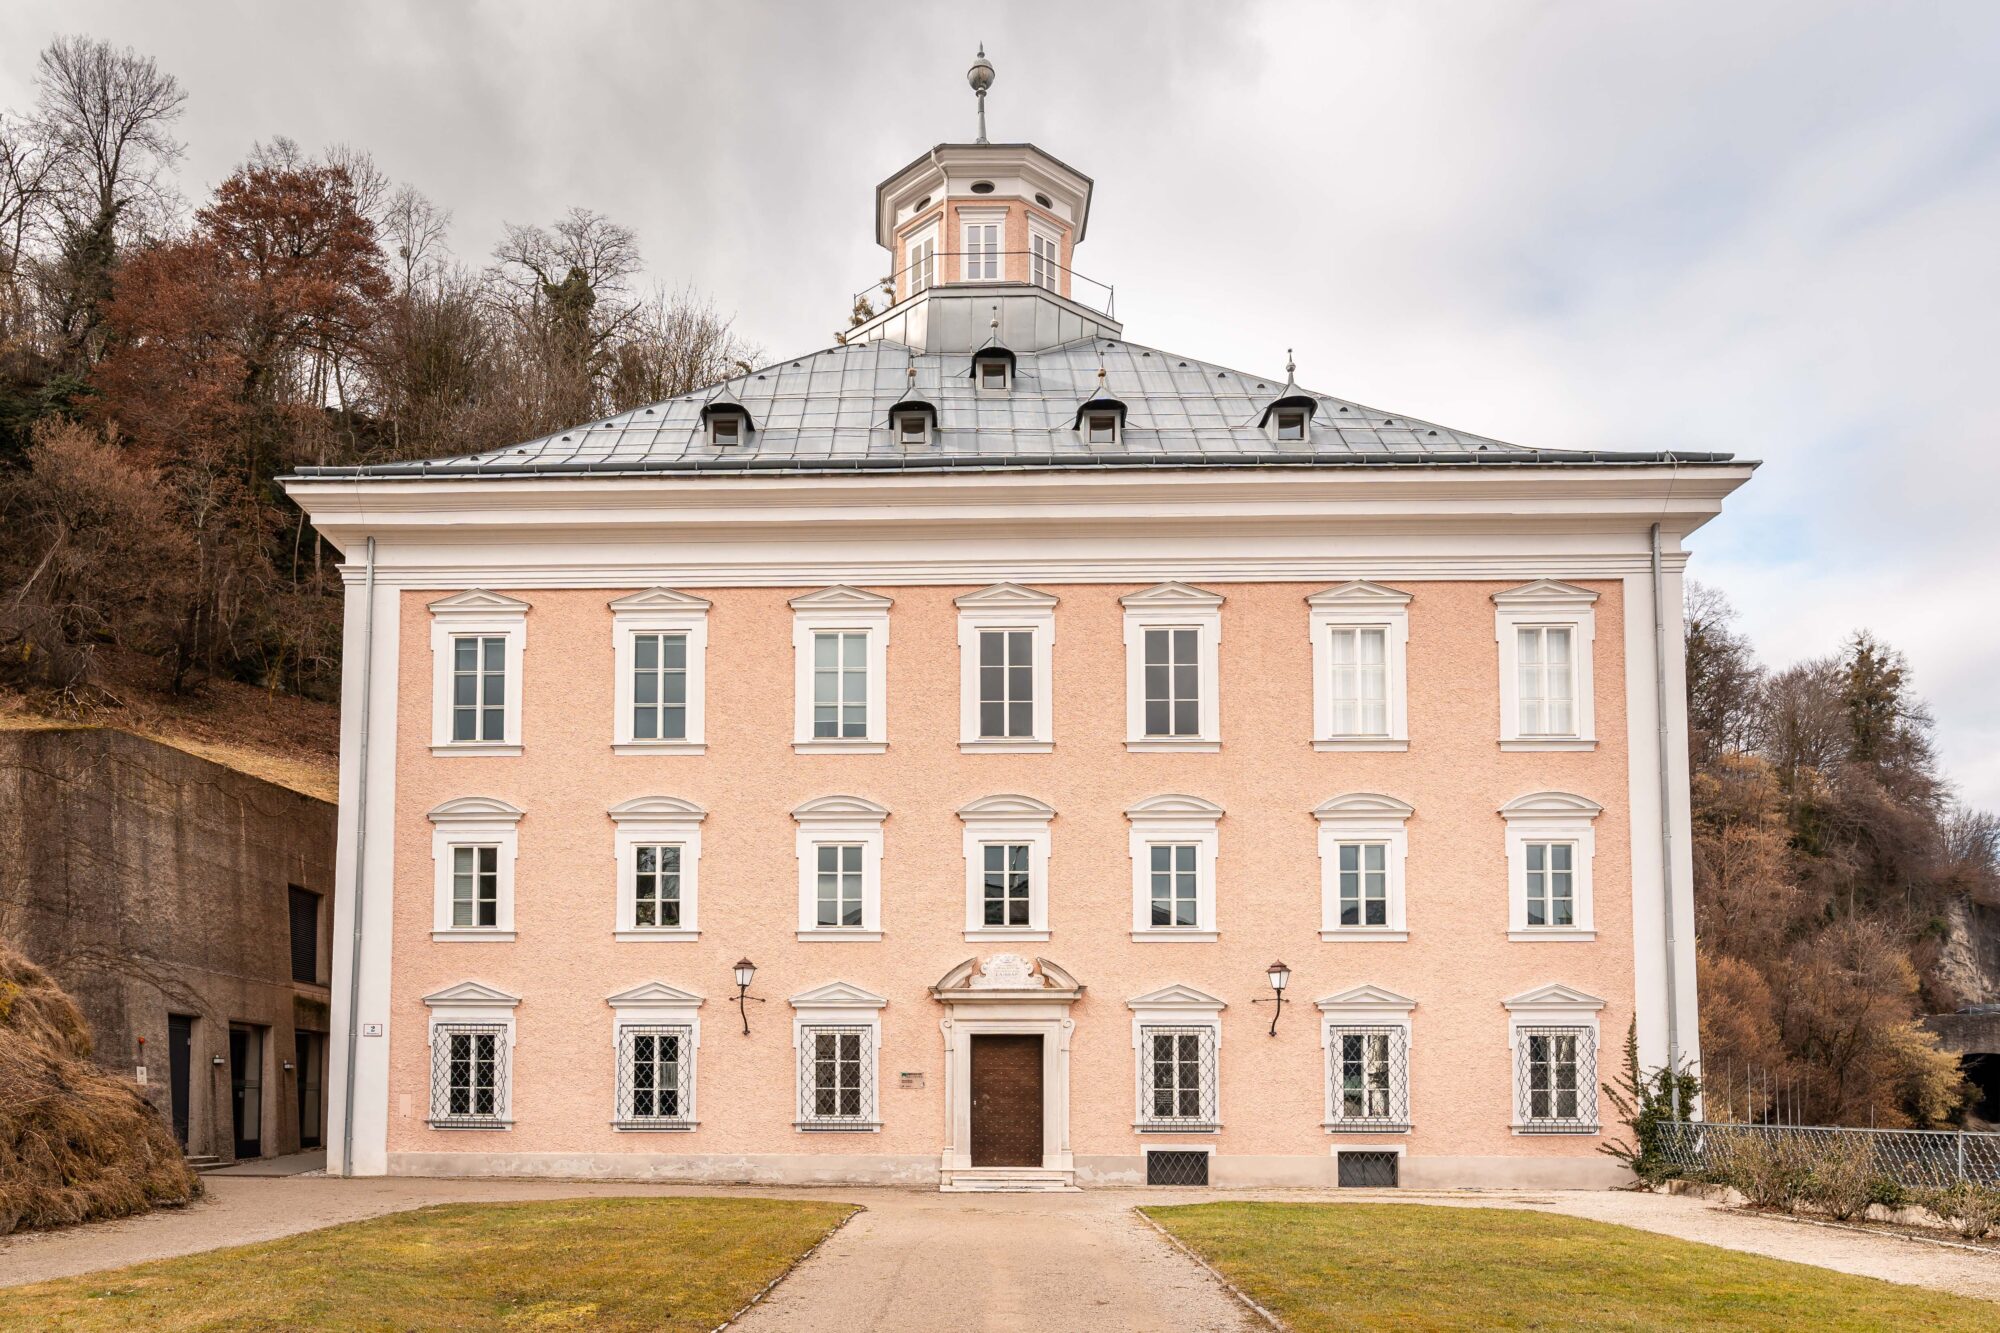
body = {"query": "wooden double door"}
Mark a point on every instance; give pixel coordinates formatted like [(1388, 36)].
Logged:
[(1007, 1099)]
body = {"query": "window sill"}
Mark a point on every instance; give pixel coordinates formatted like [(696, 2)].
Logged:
[(484, 1125), (1362, 745), (1364, 935), (471, 750), (839, 936), (839, 747), (1148, 1127), (1184, 936), (1547, 936), (1005, 747), (821, 1127), (1021, 933), (655, 936), (1164, 745), (1543, 744), (473, 936), (649, 1127), (1537, 1131), (1351, 1127), (659, 747)]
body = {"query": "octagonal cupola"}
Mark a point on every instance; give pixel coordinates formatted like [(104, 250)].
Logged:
[(985, 224)]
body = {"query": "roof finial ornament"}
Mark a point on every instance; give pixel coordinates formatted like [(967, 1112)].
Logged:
[(1291, 372), (980, 76)]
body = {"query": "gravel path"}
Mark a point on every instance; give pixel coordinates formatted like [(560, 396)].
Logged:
[(917, 1259)]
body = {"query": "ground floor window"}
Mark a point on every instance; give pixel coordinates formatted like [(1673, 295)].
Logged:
[(468, 1075), (1177, 1076), (655, 1076), (1556, 1074), (1368, 1072), (837, 1077)]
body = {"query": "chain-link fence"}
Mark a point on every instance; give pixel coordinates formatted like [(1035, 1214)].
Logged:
[(1917, 1158)]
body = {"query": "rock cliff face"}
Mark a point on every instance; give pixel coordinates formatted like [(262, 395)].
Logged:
[(1969, 961)]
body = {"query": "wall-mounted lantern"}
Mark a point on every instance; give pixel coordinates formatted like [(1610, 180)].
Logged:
[(746, 972), (1281, 977)]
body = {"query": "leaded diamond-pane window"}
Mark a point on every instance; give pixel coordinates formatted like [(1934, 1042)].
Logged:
[(1556, 1077), (659, 687), (837, 1077), (1551, 880), (1370, 1074), (1006, 683), (655, 1076), (479, 688), (1007, 884), (468, 1075), (656, 887), (1173, 682), (1177, 1076)]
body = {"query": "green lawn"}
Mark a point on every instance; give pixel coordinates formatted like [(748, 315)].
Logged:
[(1406, 1266), (598, 1264)]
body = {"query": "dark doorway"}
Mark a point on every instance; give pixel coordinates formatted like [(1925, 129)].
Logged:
[(1368, 1170), (311, 1092), (180, 1061), (246, 1089), (1007, 1100)]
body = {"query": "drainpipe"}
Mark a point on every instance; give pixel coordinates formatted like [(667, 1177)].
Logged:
[(1666, 826), (360, 859)]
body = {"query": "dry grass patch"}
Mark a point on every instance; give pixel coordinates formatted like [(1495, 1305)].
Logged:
[(601, 1264), (1326, 1267)]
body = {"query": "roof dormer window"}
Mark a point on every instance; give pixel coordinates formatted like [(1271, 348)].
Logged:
[(1100, 428), (728, 424), (1101, 421), (992, 374), (1290, 424), (993, 370), (1288, 420), (912, 421)]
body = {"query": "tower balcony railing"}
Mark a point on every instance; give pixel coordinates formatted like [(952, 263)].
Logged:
[(948, 268)]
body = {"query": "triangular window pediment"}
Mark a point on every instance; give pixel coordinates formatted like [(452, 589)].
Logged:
[(1005, 595), (1177, 996), (659, 599), (1545, 592), (472, 993), (1555, 995), (838, 995), (478, 599), (1359, 592), (840, 597), (657, 993), (1171, 594), (1367, 997)]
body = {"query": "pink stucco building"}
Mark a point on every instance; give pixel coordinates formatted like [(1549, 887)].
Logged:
[(1013, 696)]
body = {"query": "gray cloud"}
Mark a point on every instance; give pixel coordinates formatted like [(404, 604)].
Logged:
[(1766, 228)]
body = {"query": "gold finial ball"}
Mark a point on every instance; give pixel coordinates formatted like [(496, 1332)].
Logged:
[(980, 76)]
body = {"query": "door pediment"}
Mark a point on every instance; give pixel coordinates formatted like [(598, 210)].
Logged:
[(1007, 977)]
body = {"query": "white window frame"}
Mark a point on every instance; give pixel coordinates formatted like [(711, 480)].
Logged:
[(1360, 604), (1179, 1006), (979, 363), (657, 821), (476, 612), (835, 610), (923, 420), (1551, 816), (656, 1004), (1173, 606), (840, 820), (1546, 603), (1363, 817), (919, 264), (472, 1003), (1006, 606), (838, 1004), (659, 611), (1278, 416), (1364, 1006), (1174, 819), (996, 218), (474, 821), (1040, 232), (1006, 820), (739, 423), (1086, 426), (1554, 1005)]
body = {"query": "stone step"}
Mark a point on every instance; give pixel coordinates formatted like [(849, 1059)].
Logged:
[(1019, 1180)]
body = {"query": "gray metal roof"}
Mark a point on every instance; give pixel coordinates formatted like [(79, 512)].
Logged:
[(828, 412)]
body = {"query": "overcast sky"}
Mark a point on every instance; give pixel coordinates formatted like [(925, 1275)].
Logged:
[(1769, 228)]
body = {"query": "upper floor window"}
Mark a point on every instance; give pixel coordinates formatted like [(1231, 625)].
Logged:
[(474, 841), (1360, 636), (1553, 1035), (472, 1049), (921, 262), (839, 846), (1174, 845), (1006, 868), (1177, 1034), (658, 846), (982, 250), (1550, 847), (1044, 259), (1006, 634), (837, 1031), (1545, 630), (1362, 848), (840, 642), (660, 650), (478, 639), (1173, 634)]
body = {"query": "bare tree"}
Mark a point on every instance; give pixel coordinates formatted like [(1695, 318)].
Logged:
[(566, 289), (413, 231), (27, 163), (678, 342)]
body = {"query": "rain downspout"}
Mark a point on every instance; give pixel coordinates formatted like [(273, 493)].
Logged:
[(1666, 827), (360, 859)]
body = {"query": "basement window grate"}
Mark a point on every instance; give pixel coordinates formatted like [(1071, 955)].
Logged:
[(1368, 1170), (1176, 1168)]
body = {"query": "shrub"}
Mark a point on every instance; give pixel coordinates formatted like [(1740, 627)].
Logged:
[(1972, 1210), (1645, 1103), (1842, 1177), (1889, 1192), (1770, 1172)]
